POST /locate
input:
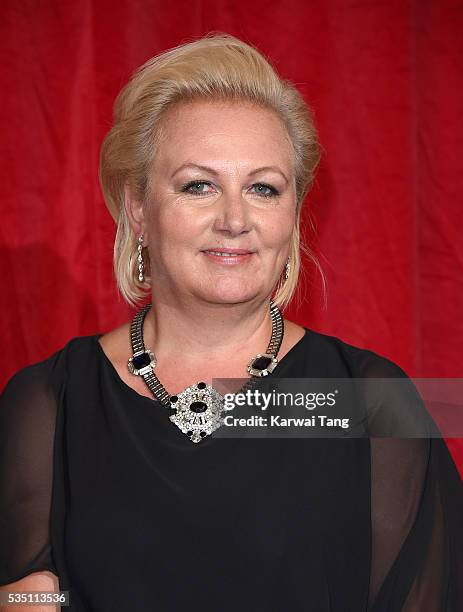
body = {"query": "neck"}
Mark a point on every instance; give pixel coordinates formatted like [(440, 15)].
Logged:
[(203, 331)]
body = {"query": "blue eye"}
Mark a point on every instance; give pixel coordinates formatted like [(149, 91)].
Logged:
[(269, 193), (187, 188), (262, 189)]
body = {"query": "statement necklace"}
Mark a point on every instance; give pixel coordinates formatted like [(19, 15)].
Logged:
[(198, 409)]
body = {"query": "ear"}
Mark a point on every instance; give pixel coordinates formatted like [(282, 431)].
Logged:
[(135, 212)]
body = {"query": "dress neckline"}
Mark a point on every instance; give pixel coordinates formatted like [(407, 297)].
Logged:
[(115, 374)]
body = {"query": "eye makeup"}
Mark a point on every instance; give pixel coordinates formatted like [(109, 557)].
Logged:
[(271, 191)]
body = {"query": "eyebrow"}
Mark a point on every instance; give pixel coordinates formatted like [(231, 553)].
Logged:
[(215, 173)]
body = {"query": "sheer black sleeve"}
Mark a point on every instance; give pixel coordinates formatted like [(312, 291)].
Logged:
[(27, 426), (416, 498)]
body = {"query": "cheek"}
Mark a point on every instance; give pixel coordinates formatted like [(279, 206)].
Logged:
[(279, 230), (178, 226)]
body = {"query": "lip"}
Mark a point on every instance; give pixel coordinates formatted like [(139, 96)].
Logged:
[(239, 256), (225, 250)]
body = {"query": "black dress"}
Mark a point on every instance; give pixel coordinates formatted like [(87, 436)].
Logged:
[(99, 487)]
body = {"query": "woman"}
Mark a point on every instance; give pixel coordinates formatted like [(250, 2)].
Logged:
[(115, 478)]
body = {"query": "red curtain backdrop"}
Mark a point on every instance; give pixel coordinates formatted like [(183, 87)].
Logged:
[(385, 81)]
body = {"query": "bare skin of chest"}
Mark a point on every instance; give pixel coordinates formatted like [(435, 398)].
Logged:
[(177, 374)]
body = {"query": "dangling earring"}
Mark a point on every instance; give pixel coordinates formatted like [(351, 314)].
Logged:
[(287, 268), (141, 265)]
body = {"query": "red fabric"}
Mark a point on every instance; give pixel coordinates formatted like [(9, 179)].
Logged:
[(385, 80)]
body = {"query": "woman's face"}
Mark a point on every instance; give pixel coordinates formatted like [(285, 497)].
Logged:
[(222, 183)]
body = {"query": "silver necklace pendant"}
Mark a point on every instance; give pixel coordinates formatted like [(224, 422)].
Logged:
[(199, 410)]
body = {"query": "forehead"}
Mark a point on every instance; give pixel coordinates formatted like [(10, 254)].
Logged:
[(236, 132)]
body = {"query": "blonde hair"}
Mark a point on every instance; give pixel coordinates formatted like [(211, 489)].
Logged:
[(217, 67)]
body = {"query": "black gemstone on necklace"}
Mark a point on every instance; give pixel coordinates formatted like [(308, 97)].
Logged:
[(198, 407), (141, 361), (260, 363), (201, 385)]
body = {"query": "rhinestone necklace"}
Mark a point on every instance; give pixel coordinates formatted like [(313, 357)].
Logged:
[(199, 408)]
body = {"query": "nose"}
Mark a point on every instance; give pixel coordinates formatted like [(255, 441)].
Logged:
[(233, 215)]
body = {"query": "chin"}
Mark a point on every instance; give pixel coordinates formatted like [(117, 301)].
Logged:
[(226, 294)]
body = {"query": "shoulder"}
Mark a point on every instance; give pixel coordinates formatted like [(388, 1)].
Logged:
[(358, 361), (116, 344), (393, 404), (47, 374), (28, 405)]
